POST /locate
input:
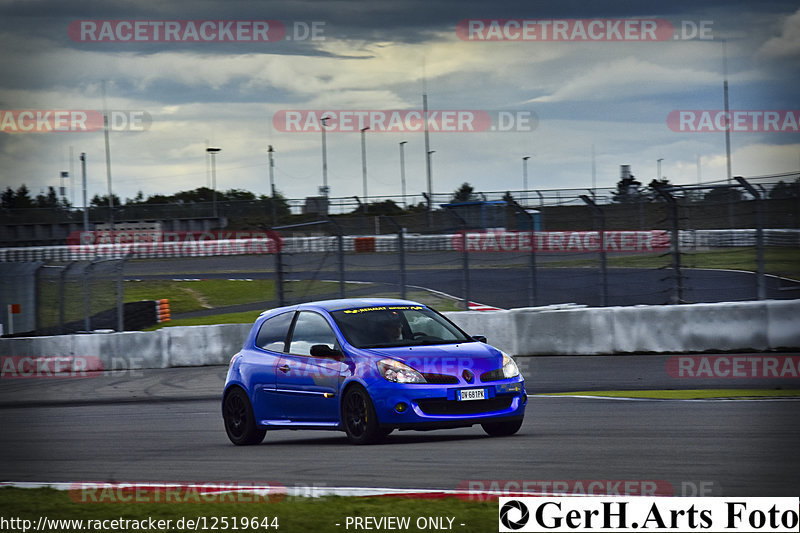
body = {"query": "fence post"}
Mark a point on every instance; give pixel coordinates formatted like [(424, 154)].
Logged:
[(121, 294), (61, 296), (532, 289), (675, 237), (340, 249), (279, 277), (760, 282), (600, 216), (87, 308), (37, 303), (465, 283), (401, 248)]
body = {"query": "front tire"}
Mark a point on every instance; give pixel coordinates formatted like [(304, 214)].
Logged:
[(359, 418), (502, 429), (240, 424)]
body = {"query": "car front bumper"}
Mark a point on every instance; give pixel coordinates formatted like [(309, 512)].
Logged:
[(425, 406)]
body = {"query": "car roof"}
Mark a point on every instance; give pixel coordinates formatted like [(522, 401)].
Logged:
[(345, 303)]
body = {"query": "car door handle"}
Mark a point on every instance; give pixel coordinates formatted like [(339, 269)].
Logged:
[(284, 368)]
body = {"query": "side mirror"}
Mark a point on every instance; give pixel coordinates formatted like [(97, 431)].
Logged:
[(323, 350), (480, 338)]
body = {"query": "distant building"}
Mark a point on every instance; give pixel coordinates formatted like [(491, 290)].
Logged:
[(480, 214), (316, 205)]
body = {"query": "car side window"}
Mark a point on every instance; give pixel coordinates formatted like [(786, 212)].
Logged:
[(310, 329), (272, 335)]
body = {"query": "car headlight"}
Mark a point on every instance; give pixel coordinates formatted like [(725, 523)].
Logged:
[(398, 372), (510, 369)]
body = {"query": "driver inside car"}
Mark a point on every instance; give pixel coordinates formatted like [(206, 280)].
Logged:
[(390, 328)]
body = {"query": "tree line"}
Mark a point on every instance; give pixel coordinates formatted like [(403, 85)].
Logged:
[(628, 190)]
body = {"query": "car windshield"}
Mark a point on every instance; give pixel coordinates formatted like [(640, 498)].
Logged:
[(396, 325)]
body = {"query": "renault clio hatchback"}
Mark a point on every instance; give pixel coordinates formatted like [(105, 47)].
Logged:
[(367, 367)]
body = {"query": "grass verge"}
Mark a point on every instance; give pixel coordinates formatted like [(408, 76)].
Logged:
[(185, 296), (439, 303), (288, 515), (688, 394)]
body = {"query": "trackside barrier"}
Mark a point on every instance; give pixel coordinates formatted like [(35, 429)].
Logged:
[(556, 330), (163, 348), (564, 330)]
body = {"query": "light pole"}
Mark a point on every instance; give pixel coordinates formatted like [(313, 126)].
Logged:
[(403, 173), (213, 152), (324, 162), (62, 189), (428, 152), (364, 165), (272, 186), (108, 161), (83, 184), (430, 174), (525, 176)]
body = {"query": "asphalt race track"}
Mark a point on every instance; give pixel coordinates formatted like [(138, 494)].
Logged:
[(505, 287), (719, 447), (729, 448)]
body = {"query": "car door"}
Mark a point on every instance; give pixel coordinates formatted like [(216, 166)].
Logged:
[(308, 385), (260, 364)]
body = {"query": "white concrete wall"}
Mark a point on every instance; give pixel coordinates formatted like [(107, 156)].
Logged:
[(765, 325), (163, 348), (555, 330)]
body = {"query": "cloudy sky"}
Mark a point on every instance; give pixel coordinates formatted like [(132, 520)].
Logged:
[(615, 95)]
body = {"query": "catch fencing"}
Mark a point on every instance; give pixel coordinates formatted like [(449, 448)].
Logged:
[(713, 242)]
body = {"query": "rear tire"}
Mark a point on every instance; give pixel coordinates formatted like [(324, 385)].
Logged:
[(502, 429), (359, 418), (240, 424)]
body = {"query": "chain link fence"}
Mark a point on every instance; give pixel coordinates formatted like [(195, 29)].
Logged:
[(671, 244), (61, 298)]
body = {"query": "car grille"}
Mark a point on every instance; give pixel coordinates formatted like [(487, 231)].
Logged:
[(442, 406), (440, 379)]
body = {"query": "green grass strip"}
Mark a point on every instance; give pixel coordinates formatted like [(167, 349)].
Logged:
[(688, 394), (288, 514)]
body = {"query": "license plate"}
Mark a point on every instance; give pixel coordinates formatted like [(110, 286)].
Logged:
[(471, 394)]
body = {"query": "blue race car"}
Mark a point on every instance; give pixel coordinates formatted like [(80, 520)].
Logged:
[(367, 367)]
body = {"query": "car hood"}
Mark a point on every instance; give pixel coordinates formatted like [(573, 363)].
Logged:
[(448, 359)]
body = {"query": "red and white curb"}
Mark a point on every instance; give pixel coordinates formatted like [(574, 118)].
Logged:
[(474, 306)]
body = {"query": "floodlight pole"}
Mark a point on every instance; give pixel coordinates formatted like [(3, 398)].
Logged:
[(270, 151), (403, 174), (213, 152), (324, 162), (364, 164), (85, 201)]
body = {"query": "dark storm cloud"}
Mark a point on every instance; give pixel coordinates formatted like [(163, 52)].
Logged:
[(408, 21)]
